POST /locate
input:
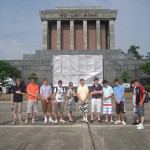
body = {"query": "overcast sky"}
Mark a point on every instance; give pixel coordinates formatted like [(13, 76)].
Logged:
[(21, 27)]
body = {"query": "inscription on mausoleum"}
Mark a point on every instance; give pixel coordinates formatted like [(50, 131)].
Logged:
[(78, 14)]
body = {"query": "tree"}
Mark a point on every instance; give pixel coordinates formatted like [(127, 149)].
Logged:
[(7, 70), (148, 55), (134, 50), (33, 75), (145, 67), (125, 76)]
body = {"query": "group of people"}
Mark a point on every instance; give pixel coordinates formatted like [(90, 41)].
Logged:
[(101, 95)]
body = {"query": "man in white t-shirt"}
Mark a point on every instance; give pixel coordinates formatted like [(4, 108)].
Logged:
[(107, 104), (60, 99)]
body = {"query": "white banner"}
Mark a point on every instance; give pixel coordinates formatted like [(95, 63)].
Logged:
[(72, 68)]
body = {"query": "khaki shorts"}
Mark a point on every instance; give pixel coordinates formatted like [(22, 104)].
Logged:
[(46, 107), (18, 107), (59, 107), (31, 106), (96, 105)]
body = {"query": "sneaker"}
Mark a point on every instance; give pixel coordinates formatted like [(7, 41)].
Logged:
[(71, 121), (99, 121), (106, 121), (21, 122), (111, 121), (123, 122), (135, 123), (26, 122), (14, 122), (63, 121), (56, 121), (83, 120), (45, 121), (140, 127), (117, 122), (91, 121), (86, 120), (33, 121), (51, 120), (138, 124)]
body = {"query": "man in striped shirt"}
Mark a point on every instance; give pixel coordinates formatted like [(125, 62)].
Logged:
[(107, 105)]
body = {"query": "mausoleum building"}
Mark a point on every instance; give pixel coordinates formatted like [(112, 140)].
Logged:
[(82, 28)]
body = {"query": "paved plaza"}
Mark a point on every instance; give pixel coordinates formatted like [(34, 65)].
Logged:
[(73, 136)]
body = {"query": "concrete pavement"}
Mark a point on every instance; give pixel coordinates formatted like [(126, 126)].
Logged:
[(76, 136)]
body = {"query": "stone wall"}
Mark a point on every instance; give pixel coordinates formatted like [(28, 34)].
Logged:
[(114, 63)]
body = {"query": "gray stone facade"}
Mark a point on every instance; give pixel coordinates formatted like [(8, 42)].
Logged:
[(68, 13), (114, 63)]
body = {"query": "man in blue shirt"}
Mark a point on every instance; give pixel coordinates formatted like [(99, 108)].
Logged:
[(120, 99)]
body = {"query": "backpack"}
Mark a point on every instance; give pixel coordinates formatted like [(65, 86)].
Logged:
[(62, 88), (146, 97)]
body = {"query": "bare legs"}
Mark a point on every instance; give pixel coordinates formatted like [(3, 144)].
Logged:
[(70, 116), (33, 115), (60, 115), (92, 115)]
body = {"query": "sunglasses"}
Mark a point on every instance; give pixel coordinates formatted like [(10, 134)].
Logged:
[(71, 85)]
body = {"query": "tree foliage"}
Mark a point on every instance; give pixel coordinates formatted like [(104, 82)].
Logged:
[(145, 67), (33, 76), (148, 55), (125, 76), (7, 70), (134, 50)]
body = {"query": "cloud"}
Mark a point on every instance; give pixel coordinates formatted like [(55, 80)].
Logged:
[(14, 42), (11, 49)]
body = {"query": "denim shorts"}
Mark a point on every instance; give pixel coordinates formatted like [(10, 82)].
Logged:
[(140, 110)]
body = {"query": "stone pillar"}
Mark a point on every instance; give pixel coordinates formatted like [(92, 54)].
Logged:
[(98, 35), (45, 35), (72, 35), (85, 34), (111, 34), (58, 35)]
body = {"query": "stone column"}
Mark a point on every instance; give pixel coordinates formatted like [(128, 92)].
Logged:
[(45, 35), (58, 35), (85, 34), (98, 35), (111, 34), (71, 34)]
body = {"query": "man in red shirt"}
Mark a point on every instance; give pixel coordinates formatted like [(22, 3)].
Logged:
[(140, 96)]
